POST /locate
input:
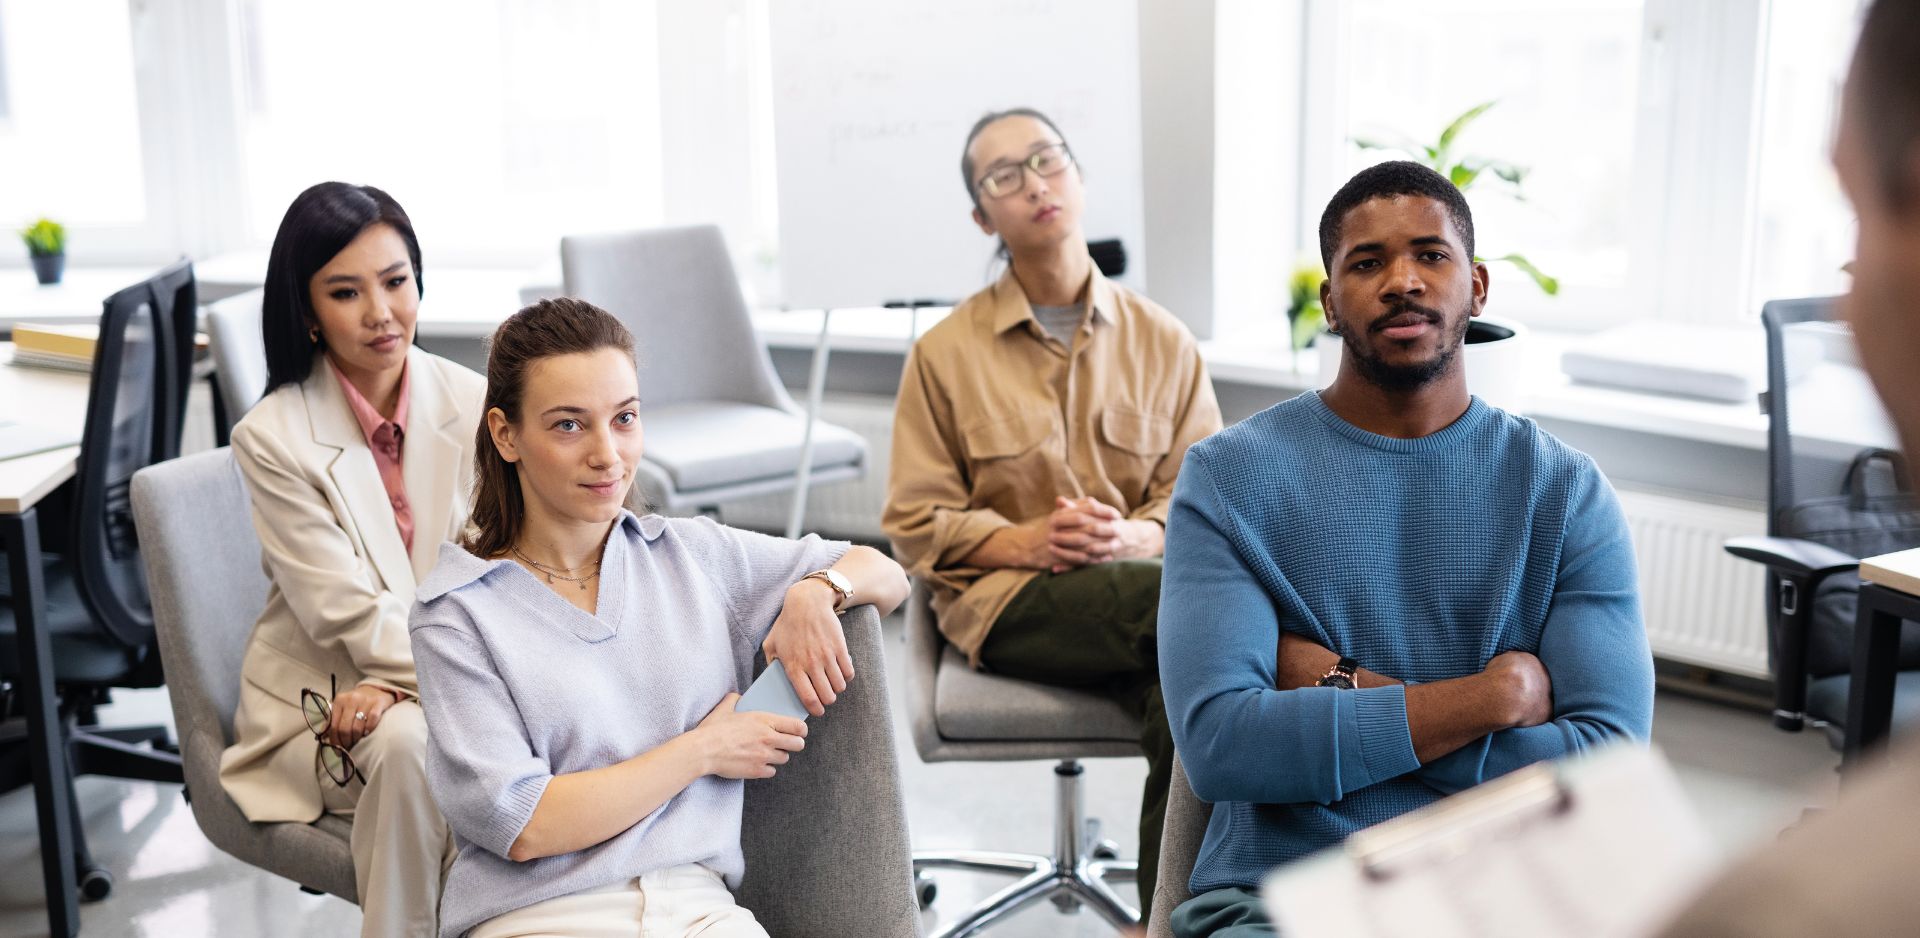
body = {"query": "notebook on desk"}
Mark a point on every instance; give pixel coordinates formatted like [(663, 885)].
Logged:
[(25, 439), (1600, 847)]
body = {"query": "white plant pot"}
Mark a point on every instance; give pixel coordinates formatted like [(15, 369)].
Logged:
[(1498, 368)]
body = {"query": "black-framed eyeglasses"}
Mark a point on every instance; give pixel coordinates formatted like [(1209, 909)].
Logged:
[(329, 758), (1050, 160)]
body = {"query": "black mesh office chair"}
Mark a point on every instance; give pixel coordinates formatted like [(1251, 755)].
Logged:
[(97, 614), (1833, 498)]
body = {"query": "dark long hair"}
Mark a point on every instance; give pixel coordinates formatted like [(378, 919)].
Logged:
[(319, 224), (561, 326)]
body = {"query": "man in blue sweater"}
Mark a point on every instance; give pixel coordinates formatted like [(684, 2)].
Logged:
[(1385, 592)]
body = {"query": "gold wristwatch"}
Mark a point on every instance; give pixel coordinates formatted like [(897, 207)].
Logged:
[(841, 586)]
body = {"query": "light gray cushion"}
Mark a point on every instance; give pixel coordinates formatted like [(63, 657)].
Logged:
[(826, 839), (204, 577), (972, 704), (675, 289), (1180, 837), (709, 444), (239, 353)]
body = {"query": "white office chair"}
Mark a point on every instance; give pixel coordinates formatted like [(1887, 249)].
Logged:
[(719, 425), (239, 359)]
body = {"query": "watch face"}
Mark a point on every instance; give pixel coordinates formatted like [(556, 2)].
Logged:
[(1340, 681), (839, 581)]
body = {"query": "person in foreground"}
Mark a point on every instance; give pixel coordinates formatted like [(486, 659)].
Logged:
[(1035, 442), (1856, 869), (358, 464), (1388, 591), (579, 665)]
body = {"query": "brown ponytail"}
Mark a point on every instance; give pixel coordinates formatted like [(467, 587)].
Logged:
[(561, 326)]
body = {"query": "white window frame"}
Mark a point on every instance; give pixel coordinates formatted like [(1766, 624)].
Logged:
[(1695, 168), (184, 95)]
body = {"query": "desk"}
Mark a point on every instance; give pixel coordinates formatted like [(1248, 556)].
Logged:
[(1889, 596), (75, 300), (54, 398)]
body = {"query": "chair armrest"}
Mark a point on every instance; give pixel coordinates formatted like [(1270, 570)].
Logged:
[(1792, 556)]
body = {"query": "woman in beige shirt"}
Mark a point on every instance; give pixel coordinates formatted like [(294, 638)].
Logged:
[(1037, 436), (358, 460)]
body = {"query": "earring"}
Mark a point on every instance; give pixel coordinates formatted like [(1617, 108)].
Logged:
[(313, 335)]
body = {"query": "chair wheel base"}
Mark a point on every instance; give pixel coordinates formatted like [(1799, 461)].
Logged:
[(95, 884)]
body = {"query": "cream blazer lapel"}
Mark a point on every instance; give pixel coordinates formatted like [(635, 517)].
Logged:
[(434, 463), (358, 478)]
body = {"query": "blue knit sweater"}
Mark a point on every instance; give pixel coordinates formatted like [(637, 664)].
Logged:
[(1422, 559)]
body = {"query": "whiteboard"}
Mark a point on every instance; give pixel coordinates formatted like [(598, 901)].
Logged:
[(872, 100)]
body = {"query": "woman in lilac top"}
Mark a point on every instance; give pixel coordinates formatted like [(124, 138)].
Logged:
[(579, 665)]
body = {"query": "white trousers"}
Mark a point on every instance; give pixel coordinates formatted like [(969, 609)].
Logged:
[(401, 846), (681, 902)]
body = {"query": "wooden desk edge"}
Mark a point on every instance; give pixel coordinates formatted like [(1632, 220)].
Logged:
[(36, 475)]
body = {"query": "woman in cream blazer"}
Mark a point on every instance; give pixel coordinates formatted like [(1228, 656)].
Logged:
[(338, 484)]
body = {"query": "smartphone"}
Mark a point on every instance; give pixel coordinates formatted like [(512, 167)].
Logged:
[(772, 693)]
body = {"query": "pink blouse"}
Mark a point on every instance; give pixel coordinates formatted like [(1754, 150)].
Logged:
[(386, 438)]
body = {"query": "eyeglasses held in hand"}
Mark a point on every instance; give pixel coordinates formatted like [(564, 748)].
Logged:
[(329, 758), (1002, 181)]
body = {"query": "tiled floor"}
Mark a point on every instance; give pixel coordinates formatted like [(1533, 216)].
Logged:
[(1747, 780)]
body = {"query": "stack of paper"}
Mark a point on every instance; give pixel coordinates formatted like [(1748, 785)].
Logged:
[(69, 348)]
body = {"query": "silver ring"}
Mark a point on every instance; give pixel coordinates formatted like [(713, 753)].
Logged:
[(360, 714)]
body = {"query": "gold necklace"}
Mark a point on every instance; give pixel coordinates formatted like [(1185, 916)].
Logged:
[(559, 573)]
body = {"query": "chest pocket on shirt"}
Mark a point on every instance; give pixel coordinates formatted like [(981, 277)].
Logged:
[(1005, 457), (1132, 444)]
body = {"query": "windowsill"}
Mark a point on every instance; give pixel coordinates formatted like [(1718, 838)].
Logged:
[(1258, 360), (469, 303)]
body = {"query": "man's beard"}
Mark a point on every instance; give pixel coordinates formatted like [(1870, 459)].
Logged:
[(1375, 370)]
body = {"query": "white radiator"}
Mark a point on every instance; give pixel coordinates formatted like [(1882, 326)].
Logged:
[(1703, 606), (848, 509)]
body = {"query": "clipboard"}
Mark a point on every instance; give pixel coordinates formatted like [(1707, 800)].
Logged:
[(1605, 846)]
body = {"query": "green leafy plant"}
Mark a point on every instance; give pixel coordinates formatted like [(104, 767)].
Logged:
[(1305, 315), (1465, 171), (45, 238)]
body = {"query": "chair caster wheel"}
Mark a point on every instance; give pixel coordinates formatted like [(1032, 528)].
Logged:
[(924, 890), (95, 884), (1106, 850), (1066, 903)]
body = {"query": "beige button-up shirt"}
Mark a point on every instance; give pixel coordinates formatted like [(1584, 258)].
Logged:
[(995, 418)]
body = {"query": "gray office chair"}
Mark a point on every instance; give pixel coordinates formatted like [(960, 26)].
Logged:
[(1180, 838), (239, 359), (719, 424), (841, 800), (203, 570), (826, 841), (960, 714), (1828, 505)]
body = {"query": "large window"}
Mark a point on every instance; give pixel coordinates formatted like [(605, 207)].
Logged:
[(70, 139), (501, 125), (1561, 79), (1676, 151), (1804, 228)]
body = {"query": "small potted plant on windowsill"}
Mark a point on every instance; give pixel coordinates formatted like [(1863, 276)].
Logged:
[(1497, 366), (47, 246)]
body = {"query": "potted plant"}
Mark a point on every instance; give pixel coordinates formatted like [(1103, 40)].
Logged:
[(47, 246), (1495, 351), (1306, 318)]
